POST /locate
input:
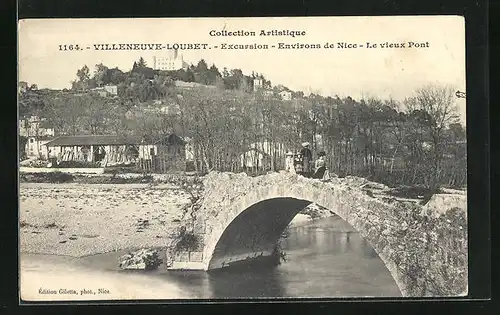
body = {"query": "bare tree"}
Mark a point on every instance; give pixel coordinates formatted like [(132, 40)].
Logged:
[(436, 109)]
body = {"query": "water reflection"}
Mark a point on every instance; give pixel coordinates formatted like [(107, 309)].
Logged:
[(260, 282), (325, 258)]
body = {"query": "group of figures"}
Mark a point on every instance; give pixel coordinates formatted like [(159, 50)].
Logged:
[(302, 163)]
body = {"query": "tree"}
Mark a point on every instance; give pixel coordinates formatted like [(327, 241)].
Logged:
[(82, 83), (141, 63), (30, 102), (101, 75), (434, 108), (201, 66), (457, 132), (83, 74), (98, 116), (214, 74), (66, 113), (116, 76)]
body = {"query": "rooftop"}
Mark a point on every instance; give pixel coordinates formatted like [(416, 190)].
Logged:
[(110, 140), (46, 125)]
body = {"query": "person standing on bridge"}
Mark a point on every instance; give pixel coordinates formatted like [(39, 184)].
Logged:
[(306, 159), (320, 165), (289, 162)]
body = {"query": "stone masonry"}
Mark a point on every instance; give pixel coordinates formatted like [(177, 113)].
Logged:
[(241, 217)]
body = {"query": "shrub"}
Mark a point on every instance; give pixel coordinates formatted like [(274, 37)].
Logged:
[(52, 177), (147, 179), (78, 164), (60, 177), (132, 169), (186, 240)]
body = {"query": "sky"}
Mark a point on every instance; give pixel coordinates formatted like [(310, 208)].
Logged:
[(357, 72)]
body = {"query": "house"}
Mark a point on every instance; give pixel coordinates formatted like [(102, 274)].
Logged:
[(108, 150), (286, 95), (260, 88), (167, 154), (258, 84), (106, 90), (35, 126), (255, 158), (36, 148), (94, 148)]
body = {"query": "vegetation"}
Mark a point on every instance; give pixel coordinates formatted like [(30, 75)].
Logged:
[(418, 141), (51, 177), (22, 146), (78, 164), (186, 240)]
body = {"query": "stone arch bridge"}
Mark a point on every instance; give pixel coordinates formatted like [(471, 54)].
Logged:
[(240, 218)]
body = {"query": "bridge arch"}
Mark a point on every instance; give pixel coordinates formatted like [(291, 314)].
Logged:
[(248, 223)]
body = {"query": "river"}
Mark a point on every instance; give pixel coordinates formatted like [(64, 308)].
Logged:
[(324, 258)]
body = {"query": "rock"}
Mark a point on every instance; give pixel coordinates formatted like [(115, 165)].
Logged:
[(144, 259), (442, 203), (374, 185), (453, 191), (354, 181)]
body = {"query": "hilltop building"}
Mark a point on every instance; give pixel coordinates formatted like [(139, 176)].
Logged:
[(172, 62), (257, 84), (286, 95)]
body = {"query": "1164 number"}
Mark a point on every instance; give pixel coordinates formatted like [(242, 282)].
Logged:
[(69, 47)]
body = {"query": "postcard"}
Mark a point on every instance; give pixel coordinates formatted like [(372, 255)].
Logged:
[(242, 158)]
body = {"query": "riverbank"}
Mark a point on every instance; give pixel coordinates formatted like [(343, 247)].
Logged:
[(80, 219), (74, 219)]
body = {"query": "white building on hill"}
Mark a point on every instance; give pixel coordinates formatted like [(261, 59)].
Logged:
[(174, 61), (286, 95)]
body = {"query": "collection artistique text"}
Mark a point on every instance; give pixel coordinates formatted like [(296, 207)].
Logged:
[(261, 33)]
